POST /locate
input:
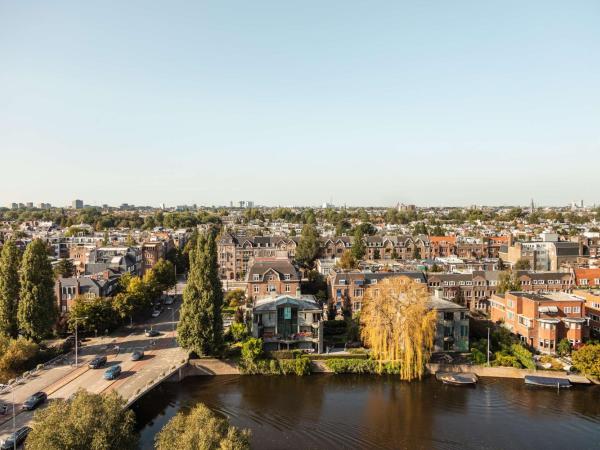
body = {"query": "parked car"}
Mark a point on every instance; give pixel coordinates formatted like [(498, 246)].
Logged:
[(156, 313), (169, 300), (18, 437), (34, 401), (152, 333), (112, 372), (97, 362), (137, 355)]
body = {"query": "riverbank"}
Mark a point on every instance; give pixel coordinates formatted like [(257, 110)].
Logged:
[(211, 367)]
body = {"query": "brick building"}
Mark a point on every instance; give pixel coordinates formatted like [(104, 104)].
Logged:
[(541, 321), (272, 276)]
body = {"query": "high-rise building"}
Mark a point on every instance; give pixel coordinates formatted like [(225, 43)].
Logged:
[(77, 204)]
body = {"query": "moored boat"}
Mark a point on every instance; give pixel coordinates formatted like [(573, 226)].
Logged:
[(553, 382), (457, 379)]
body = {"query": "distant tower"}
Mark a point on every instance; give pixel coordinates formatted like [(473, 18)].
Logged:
[(532, 207)]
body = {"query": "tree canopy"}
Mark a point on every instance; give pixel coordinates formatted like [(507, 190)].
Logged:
[(10, 260), (308, 247), (200, 428), (85, 421), (37, 310)]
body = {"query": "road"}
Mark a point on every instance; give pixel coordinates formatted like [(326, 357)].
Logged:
[(64, 379)]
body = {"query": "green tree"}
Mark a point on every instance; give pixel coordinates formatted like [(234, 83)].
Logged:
[(93, 314), (308, 247), (587, 359), (135, 299), (16, 356), (37, 311), (64, 268), (523, 264), (508, 281), (200, 328), (358, 246), (86, 421), (564, 347), (200, 428), (235, 298), (10, 260), (164, 272), (347, 261)]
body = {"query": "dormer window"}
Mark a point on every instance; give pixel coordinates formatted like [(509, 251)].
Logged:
[(256, 277), (287, 277)]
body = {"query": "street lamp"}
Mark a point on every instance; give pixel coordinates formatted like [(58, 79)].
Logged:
[(76, 340)]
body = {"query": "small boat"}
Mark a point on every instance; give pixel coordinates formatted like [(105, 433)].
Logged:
[(552, 382), (457, 379)]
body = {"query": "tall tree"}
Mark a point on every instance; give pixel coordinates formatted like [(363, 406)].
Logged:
[(37, 311), (9, 288), (164, 271), (508, 281), (308, 247), (200, 328), (358, 246), (64, 268)]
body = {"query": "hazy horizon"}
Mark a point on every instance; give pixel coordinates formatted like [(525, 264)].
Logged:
[(284, 104)]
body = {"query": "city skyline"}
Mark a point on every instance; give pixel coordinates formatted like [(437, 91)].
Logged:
[(459, 104)]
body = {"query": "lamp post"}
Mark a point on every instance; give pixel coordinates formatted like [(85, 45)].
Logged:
[(77, 341), (14, 418)]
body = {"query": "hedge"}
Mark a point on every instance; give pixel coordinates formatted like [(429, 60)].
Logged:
[(361, 366), (299, 366)]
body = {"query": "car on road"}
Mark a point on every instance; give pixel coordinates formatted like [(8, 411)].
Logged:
[(156, 313), (169, 300), (18, 437), (34, 401), (137, 355), (97, 362), (152, 333), (112, 373)]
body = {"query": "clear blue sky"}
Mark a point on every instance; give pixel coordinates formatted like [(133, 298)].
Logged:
[(281, 102)]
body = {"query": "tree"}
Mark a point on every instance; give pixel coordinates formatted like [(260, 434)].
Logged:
[(93, 315), (200, 328), (86, 421), (135, 298), (16, 356), (235, 298), (508, 281), (164, 272), (64, 268), (523, 264), (564, 347), (9, 288), (347, 261), (200, 428), (37, 311), (358, 246), (308, 247), (252, 349), (398, 326), (587, 359)]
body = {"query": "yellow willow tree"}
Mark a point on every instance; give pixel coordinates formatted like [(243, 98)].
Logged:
[(398, 326)]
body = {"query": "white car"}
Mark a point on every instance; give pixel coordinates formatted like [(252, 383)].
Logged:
[(156, 313)]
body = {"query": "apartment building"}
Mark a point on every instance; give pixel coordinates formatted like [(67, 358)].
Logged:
[(103, 284), (550, 281), (452, 325), (541, 320), (351, 285), (272, 276), (473, 290), (120, 259), (587, 278), (234, 252), (591, 297), (152, 251), (542, 255)]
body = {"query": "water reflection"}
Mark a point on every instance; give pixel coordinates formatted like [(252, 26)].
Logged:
[(333, 411)]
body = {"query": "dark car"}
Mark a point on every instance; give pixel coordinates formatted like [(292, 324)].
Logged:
[(34, 401), (152, 333), (15, 438), (112, 372), (97, 362), (137, 355)]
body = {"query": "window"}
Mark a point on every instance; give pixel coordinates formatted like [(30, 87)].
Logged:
[(287, 288), (271, 288), (464, 331), (567, 309), (286, 277), (584, 282), (510, 303), (576, 309), (256, 277), (256, 289)]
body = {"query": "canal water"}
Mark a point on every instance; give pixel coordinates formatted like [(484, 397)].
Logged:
[(363, 412)]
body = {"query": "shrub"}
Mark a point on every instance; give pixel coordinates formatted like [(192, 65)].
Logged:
[(523, 355), (299, 366), (346, 365), (477, 356), (587, 359), (505, 360), (238, 331), (564, 347), (252, 349)]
